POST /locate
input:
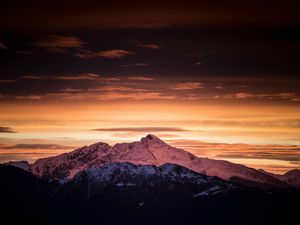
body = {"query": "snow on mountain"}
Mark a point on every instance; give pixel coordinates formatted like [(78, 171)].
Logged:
[(20, 164), (68, 164), (127, 175), (150, 150)]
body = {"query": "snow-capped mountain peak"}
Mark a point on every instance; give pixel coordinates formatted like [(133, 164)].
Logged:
[(152, 139), (150, 150)]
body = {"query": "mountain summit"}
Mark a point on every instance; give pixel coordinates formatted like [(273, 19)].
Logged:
[(150, 150), (152, 139)]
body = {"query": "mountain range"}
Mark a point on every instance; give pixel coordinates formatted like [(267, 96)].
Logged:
[(143, 182), (151, 150)]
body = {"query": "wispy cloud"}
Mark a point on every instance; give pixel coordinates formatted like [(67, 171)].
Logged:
[(87, 76), (31, 77), (141, 129), (64, 44), (118, 88), (29, 97), (72, 90), (84, 54), (219, 87), (60, 44), (149, 45), (7, 130), (3, 45), (140, 78), (110, 96), (137, 65), (84, 76), (245, 95), (139, 87), (36, 146), (186, 86), (114, 53), (108, 54), (262, 123), (246, 151)]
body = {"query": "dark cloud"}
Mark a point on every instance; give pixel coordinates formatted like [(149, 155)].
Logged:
[(70, 15), (7, 130), (264, 52), (142, 64), (84, 76), (245, 95), (93, 86), (4, 81), (142, 129), (118, 88), (63, 44), (150, 45), (31, 77), (109, 95)]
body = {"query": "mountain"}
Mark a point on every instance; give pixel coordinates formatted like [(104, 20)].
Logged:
[(18, 194), (140, 177), (150, 150), (291, 177), (124, 193), (24, 165)]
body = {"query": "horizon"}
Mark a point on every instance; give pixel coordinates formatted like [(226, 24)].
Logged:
[(218, 80), (269, 164)]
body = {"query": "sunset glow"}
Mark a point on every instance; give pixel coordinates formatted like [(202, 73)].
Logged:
[(213, 80)]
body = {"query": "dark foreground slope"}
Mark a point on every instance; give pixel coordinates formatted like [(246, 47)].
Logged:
[(19, 196), (127, 194)]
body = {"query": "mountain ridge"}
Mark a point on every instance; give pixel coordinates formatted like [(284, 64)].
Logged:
[(127, 176), (124, 193), (150, 150)]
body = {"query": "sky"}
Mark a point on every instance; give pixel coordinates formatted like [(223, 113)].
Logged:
[(217, 78)]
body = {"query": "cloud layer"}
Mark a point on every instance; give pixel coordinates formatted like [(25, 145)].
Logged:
[(142, 129), (36, 146), (94, 86), (7, 130)]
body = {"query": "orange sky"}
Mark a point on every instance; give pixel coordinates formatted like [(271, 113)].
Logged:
[(218, 78), (193, 125)]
